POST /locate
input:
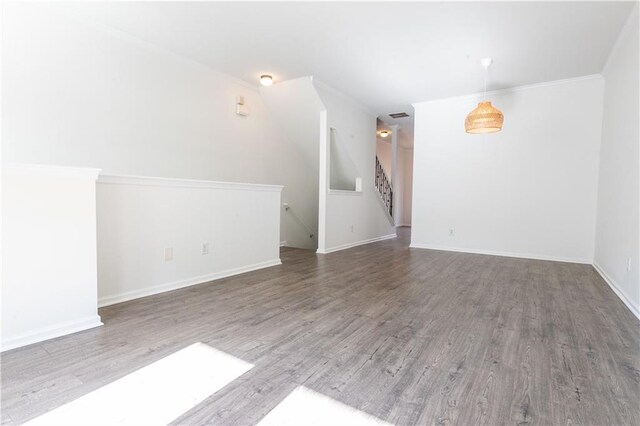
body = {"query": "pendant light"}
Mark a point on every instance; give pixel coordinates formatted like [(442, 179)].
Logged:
[(485, 118)]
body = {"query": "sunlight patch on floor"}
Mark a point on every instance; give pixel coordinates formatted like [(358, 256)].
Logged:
[(309, 408), (155, 394)]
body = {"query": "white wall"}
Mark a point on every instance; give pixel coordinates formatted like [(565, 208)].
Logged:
[(49, 280), (239, 222), (103, 99), (529, 190), (404, 177), (383, 151), (76, 93), (617, 232), (343, 172), (351, 218), (295, 107), (406, 157)]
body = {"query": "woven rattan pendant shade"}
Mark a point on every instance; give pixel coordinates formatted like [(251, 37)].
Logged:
[(485, 118)]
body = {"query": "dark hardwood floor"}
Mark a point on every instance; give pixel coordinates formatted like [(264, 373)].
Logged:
[(410, 336)]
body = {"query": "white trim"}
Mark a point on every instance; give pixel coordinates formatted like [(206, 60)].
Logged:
[(45, 170), (635, 310), (283, 243), (52, 332), (162, 288), (357, 243), (511, 89), (344, 192), (184, 183), (502, 253), (323, 178)]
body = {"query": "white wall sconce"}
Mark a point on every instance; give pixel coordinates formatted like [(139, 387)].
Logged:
[(241, 108)]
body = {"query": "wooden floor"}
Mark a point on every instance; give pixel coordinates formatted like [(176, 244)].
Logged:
[(410, 336)]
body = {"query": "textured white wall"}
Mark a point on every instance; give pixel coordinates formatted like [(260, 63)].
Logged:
[(343, 172), (352, 218), (617, 235), (404, 178), (383, 151), (138, 218), (79, 94), (529, 190), (407, 191), (295, 108), (49, 279)]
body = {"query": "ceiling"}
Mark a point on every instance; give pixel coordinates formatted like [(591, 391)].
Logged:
[(387, 55)]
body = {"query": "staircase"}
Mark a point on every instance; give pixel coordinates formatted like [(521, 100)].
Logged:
[(383, 184)]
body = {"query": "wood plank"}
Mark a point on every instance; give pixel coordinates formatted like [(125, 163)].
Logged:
[(409, 336)]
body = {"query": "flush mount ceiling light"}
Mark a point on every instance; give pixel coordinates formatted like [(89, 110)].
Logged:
[(266, 80), (384, 133), (485, 118)]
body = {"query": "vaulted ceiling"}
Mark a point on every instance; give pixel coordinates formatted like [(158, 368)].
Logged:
[(385, 54)]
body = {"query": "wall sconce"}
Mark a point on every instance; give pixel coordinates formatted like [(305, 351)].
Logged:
[(241, 108)]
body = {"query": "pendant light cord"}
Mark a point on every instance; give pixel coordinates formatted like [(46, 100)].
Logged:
[(484, 96)]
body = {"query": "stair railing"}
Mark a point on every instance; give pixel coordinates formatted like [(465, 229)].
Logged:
[(288, 209), (383, 184)]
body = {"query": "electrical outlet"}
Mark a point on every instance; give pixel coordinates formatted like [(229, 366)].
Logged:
[(452, 232), (205, 248), (168, 254), (628, 264)]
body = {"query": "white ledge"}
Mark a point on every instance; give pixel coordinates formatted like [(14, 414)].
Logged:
[(184, 183), (344, 192), (45, 170)]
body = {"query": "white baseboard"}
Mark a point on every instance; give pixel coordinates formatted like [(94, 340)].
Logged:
[(357, 243), (51, 332), (502, 253), (283, 243), (635, 310), (149, 291)]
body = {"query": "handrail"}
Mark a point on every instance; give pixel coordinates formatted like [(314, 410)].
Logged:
[(288, 209), (384, 187)]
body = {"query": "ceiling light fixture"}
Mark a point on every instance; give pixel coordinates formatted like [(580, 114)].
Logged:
[(384, 133), (485, 118), (266, 80)]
